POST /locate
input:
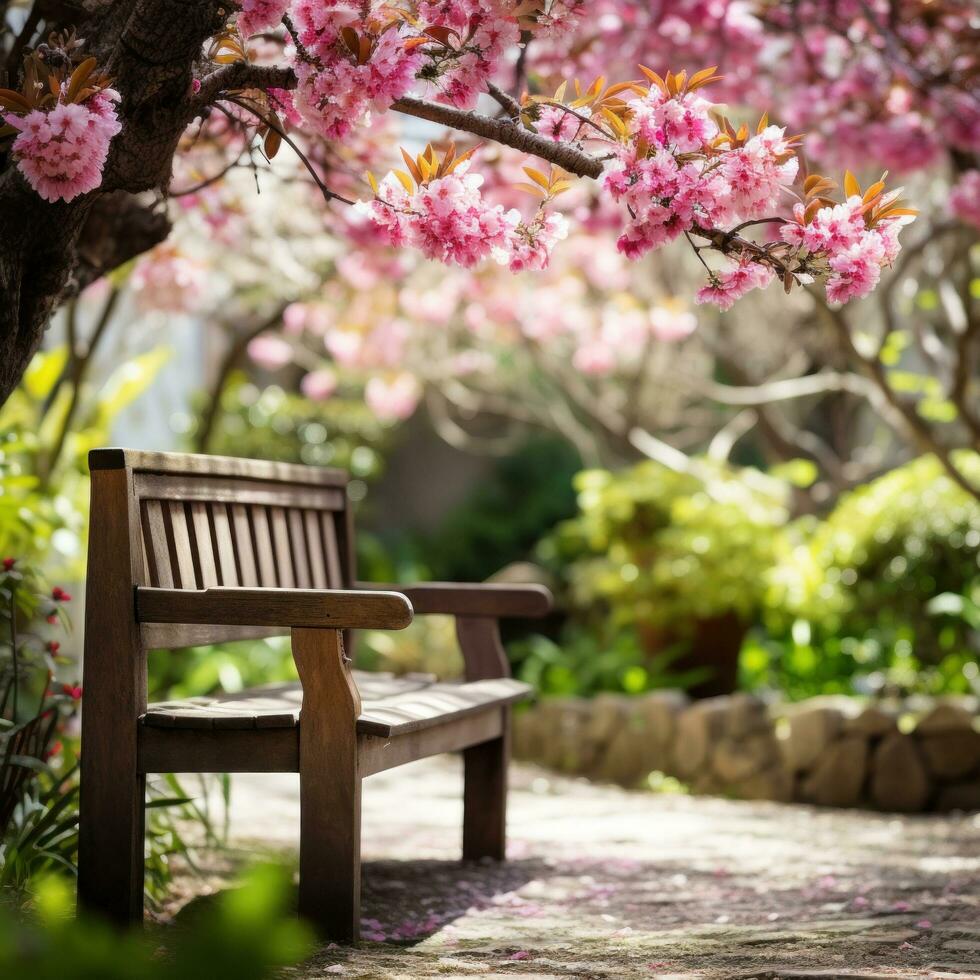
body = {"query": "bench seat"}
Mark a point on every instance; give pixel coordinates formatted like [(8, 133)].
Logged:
[(390, 705)]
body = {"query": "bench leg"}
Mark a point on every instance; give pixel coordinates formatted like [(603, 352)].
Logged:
[(329, 787), (110, 845), (485, 797)]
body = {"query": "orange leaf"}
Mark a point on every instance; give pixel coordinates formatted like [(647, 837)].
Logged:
[(655, 78), (412, 167), (406, 181), (351, 40)]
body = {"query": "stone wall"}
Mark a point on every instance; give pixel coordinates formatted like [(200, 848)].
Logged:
[(828, 751)]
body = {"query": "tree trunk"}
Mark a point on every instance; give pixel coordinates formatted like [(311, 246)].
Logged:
[(48, 251)]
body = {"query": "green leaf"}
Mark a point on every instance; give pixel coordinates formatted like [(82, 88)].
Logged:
[(799, 472), (45, 368)]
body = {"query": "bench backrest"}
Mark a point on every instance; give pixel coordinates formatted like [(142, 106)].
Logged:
[(202, 521)]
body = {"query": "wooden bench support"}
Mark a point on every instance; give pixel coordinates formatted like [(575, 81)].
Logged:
[(485, 797), (112, 814), (329, 786)]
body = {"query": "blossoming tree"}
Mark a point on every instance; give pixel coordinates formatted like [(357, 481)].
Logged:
[(94, 115)]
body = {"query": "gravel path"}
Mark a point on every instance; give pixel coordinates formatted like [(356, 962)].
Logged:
[(606, 883)]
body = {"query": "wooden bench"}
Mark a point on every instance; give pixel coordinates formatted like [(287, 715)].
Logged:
[(195, 549)]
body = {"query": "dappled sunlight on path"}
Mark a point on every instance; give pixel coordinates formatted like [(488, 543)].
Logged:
[(606, 883)]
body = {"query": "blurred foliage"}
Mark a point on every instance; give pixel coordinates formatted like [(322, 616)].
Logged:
[(39, 749), (227, 667), (654, 547), (582, 663), (501, 520), (880, 595), (47, 427), (271, 423), (427, 646), (245, 934)]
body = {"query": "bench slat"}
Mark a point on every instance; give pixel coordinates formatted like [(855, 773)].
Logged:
[(391, 706), (244, 548), (227, 566), (181, 554)]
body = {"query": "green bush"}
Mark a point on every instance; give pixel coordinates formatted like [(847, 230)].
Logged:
[(582, 663), (882, 594), (878, 595), (244, 935), (654, 547)]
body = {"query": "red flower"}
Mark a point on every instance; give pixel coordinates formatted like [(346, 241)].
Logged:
[(52, 646), (9, 563), (56, 747), (72, 690), (59, 594), (53, 619)]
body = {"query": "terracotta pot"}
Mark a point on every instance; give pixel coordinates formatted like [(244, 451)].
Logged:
[(712, 643)]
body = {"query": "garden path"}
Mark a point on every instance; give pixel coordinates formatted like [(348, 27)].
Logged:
[(608, 883)]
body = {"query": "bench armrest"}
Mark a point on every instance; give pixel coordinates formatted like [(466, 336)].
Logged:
[(312, 608), (474, 598)]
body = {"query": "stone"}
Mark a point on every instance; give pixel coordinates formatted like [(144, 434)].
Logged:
[(959, 796), (565, 746), (953, 754), (609, 715), (839, 776), (697, 730), (899, 778), (733, 760), (873, 720), (811, 729), (746, 714), (659, 711), (774, 783), (947, 716), (624, 760), (526, 734)]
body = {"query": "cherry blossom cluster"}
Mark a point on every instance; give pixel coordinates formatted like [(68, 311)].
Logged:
[(351, 56), (677, 170), (878, 74), (440, 210), (348, 64), (168, 281), (63, 140)]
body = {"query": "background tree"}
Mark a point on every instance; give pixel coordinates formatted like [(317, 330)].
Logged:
[(105, 115)]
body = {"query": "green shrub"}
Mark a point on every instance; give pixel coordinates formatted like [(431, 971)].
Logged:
[(878, 594), (244, 935), (663, 549), (582, 663)]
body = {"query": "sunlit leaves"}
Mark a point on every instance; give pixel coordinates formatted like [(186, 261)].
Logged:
[(425, 167), (544, 186)]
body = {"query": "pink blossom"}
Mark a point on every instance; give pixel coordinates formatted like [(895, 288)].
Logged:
[(668, 323), (557, 124), (166, 281), (488, 28), (336, 91), (259, 15), (964, 199), (725, 288), (531, 244), (62, 151), (595, 357), (270, 352), (447, 219), (319, 385), (393, 398)]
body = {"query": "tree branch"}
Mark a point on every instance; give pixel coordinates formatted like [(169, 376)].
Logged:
[(503, 131), (241, 75)]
